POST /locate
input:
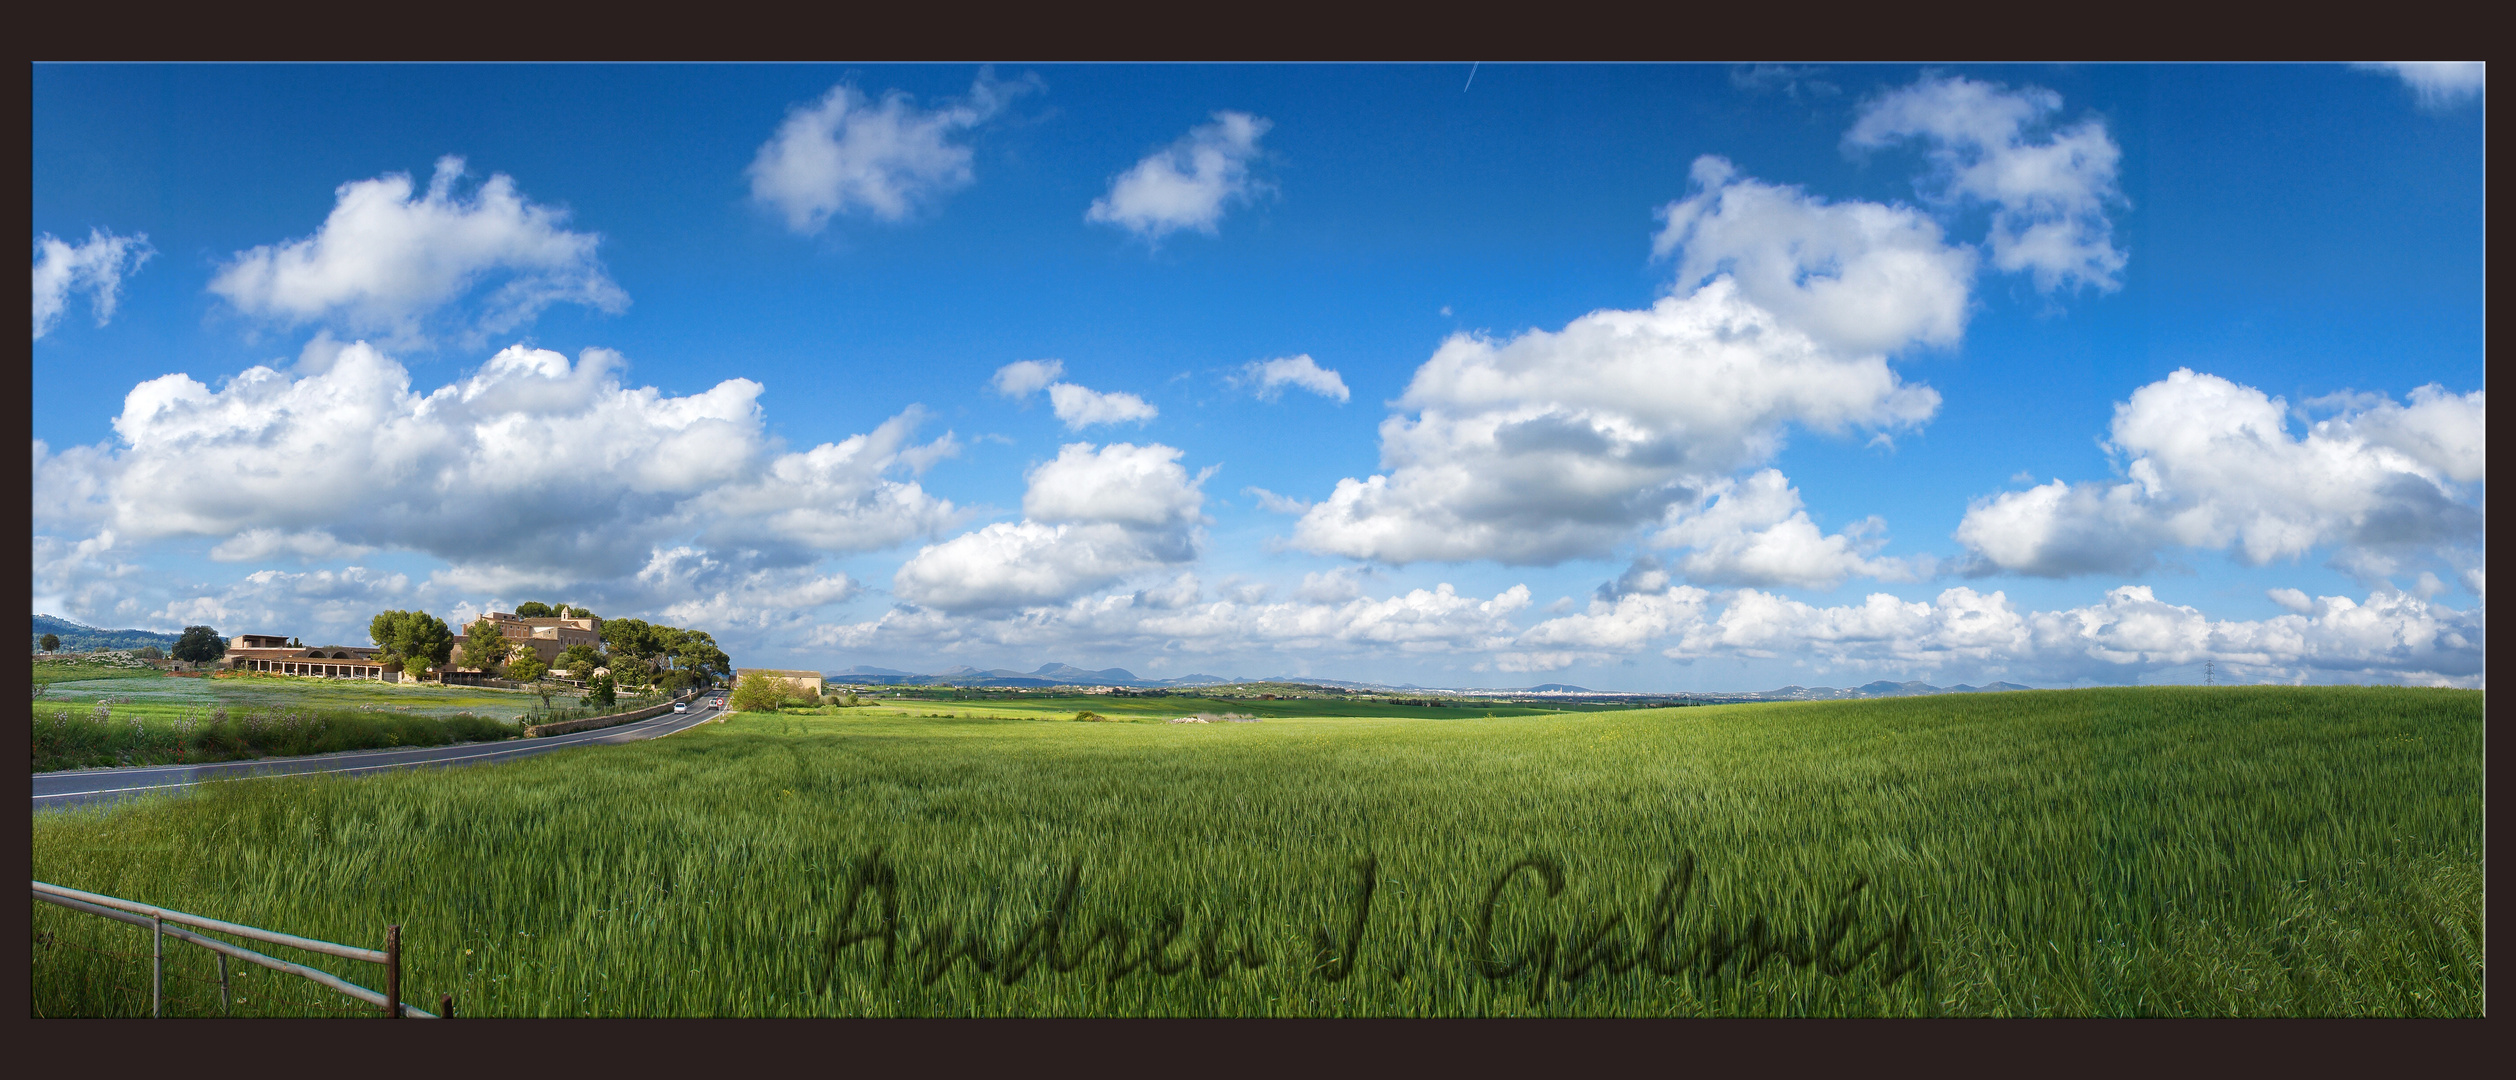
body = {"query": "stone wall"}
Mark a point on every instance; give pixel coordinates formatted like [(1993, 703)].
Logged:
[(592, 723)]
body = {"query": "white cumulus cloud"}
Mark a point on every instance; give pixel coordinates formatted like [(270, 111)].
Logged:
[(1137, 486), (1020, 564), (1023, 378), (1613, 625), (73, 486), (1080, 408), (1331, 586), (2049, 190), (96, 268), (2213, 465), (1960, 625), (1959, 633), (388, 256), (1187, 184), (1784, 311), (258, 545), (1560, 444), (1272, 376), (2439, 83), (325, 607), (1757, 532), (533, 470), (835, 497), (89, 575), (1174, 617), (2391, 636), (1276, 504), (696, 587), (849, 154), (1091, 517), (1859, 277)]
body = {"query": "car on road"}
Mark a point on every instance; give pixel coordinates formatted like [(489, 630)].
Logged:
[(681, 706)]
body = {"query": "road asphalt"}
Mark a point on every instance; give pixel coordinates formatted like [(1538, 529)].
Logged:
[(87, 787)]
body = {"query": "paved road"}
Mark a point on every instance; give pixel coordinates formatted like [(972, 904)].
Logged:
[(90, 786)]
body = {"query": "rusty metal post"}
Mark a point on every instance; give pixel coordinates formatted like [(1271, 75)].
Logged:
[(157, 965), (393, 972), (224, 1004), (445, 1006)]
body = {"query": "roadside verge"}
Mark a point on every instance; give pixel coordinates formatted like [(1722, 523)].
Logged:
[(593, 723)]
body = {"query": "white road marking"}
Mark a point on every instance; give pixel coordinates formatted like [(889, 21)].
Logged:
[(592, 736)]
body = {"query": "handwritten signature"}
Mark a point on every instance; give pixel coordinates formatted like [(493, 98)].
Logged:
[(869, 916)]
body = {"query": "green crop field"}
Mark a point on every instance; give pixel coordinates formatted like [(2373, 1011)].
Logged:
[(2188, 851), (105, 712), (154, 694)]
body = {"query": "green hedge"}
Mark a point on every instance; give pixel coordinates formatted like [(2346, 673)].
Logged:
[(73, 737)]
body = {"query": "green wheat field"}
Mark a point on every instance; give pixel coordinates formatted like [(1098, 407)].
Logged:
[(2123, 852)]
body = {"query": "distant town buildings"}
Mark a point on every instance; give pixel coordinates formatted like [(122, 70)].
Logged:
[(272, 653)]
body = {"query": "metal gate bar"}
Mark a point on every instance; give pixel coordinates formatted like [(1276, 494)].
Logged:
[(156, 922), (345, 952)]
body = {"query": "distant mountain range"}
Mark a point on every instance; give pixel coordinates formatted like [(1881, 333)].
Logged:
[(1047, 675), (1070, 675), (1881, 688), (80, 637)]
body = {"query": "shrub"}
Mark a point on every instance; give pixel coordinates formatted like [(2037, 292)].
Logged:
[(758, 693)]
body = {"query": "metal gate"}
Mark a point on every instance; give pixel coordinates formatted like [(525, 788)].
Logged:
[(154, 919)]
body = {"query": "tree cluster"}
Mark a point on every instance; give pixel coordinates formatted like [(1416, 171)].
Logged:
[(599, 692), (485, 646), (199, 645), (664, 656), (636, 653), (526, 665), (579, 661), (535, 609), (412, 642)]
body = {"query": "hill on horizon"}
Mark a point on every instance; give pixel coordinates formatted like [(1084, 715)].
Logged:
[(1052, 674), (1062, 674), (80, 637)]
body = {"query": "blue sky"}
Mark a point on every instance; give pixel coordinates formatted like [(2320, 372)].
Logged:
[(1662, 377)]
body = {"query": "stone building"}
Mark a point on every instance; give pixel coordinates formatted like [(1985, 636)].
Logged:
[(272, 654), (548, 636)]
